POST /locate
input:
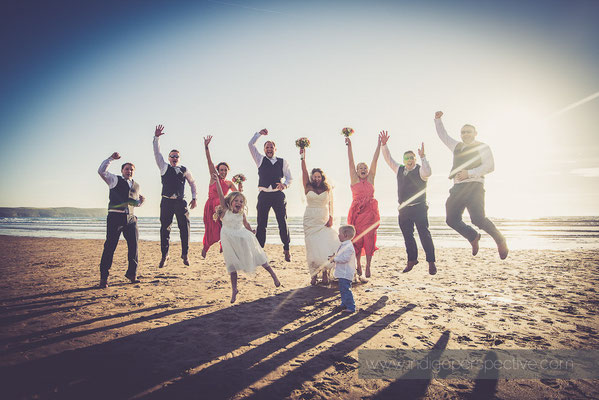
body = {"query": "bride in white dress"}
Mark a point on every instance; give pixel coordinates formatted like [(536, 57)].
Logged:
[(320, 238)]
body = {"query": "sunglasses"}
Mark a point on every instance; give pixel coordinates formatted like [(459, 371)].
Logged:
[(408, 158), (174, 156)]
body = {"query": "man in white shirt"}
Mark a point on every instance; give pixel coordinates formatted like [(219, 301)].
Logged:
[(274, 177), (413, 210), (472, 160), (123, 197), (173, 178)]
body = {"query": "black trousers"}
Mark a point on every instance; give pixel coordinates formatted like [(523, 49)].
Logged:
[(276, 201), (470, 196), (168, 209), (115, 224), (416, 215)]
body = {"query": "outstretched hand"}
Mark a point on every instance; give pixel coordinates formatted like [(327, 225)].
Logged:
[(383, 137), (438, 114), (115, 156), (421, 151), (264, 131), (207, 140), (159, 130)]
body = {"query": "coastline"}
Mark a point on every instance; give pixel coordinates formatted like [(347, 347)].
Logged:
[(176, 334)]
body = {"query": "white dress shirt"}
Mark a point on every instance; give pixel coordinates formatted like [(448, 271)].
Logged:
[(345, 261), (486, 157), (425, 168), (259, 157), (163, 166), (110, 179)]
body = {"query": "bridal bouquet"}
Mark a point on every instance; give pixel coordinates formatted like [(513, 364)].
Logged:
[(347, 131), (302, 142), (239, 178)]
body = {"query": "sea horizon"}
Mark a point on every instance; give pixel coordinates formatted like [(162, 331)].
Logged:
[(548, 232)]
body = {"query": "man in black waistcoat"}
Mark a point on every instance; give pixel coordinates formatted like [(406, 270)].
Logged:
[(472, 160), (123, 196), (173, 178), (274, 177), (411, 196)]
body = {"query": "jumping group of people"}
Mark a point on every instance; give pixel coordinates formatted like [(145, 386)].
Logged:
[(225, 218)]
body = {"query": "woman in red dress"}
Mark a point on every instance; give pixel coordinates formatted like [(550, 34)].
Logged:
[(364, 210), (212, 227)]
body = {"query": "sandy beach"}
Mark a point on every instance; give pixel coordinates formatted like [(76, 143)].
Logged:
[(175, 335)]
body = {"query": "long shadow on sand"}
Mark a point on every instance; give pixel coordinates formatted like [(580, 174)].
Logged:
[(250, 367), (134, 364)]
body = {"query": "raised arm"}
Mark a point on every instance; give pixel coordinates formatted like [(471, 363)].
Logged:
[(425, 169), (219, 189), (394, 165), (211, 168), (353, 175), (110, 179), (305, 175), (450, 142), (256, 155), (162, 165), (375, 159)]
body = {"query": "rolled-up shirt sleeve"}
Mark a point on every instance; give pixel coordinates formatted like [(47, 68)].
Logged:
[(162, 165), (110, 179), (487, 163)]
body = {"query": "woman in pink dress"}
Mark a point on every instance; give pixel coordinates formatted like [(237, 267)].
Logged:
[(212, 227), (364, 210)]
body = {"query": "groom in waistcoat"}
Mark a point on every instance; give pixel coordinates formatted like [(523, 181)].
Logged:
[(274, 177), (472, 160), (173, 177), (123, 197), (411, 196)]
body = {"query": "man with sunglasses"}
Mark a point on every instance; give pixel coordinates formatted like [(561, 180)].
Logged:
[(123, 196), (472, 160), (173, 202), (413, 210)]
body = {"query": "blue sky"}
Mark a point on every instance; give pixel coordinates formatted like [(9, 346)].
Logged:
[(83, 79)]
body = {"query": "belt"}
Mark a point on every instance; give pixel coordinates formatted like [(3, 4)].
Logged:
[(173, 197)]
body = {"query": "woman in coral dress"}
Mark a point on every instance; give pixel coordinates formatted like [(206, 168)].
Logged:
[(321, 240), (364, 210), (212, 227)]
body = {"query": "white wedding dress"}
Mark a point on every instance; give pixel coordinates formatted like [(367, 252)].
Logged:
[(321, 241)]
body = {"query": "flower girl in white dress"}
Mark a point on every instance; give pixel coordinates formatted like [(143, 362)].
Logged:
[(241, 249)]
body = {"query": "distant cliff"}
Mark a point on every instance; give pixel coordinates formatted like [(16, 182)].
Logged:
[(59, 212)]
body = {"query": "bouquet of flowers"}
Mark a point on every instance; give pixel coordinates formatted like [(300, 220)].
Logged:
[(239, 178), (347, 131), (302, 142)]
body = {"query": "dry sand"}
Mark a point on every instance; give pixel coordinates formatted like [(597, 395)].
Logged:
[(175, 335)]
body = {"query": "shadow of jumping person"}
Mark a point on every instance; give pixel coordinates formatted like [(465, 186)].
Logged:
[(133, 364)]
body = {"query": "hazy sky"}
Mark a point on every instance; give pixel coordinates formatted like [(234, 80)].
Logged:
[(80, 80)]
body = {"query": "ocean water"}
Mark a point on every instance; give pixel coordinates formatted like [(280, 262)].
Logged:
[(559, 233)]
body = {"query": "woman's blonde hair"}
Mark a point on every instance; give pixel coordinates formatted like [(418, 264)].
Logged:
[(219, 211)]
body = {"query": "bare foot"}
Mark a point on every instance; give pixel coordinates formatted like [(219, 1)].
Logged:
[(313, 281), (185, 260), (432, 269), (234, 296), (503, 250), (276, 281), (287, 255), (410, 265), (367, 274), (163, 262), (359, 270), (474, 244)]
